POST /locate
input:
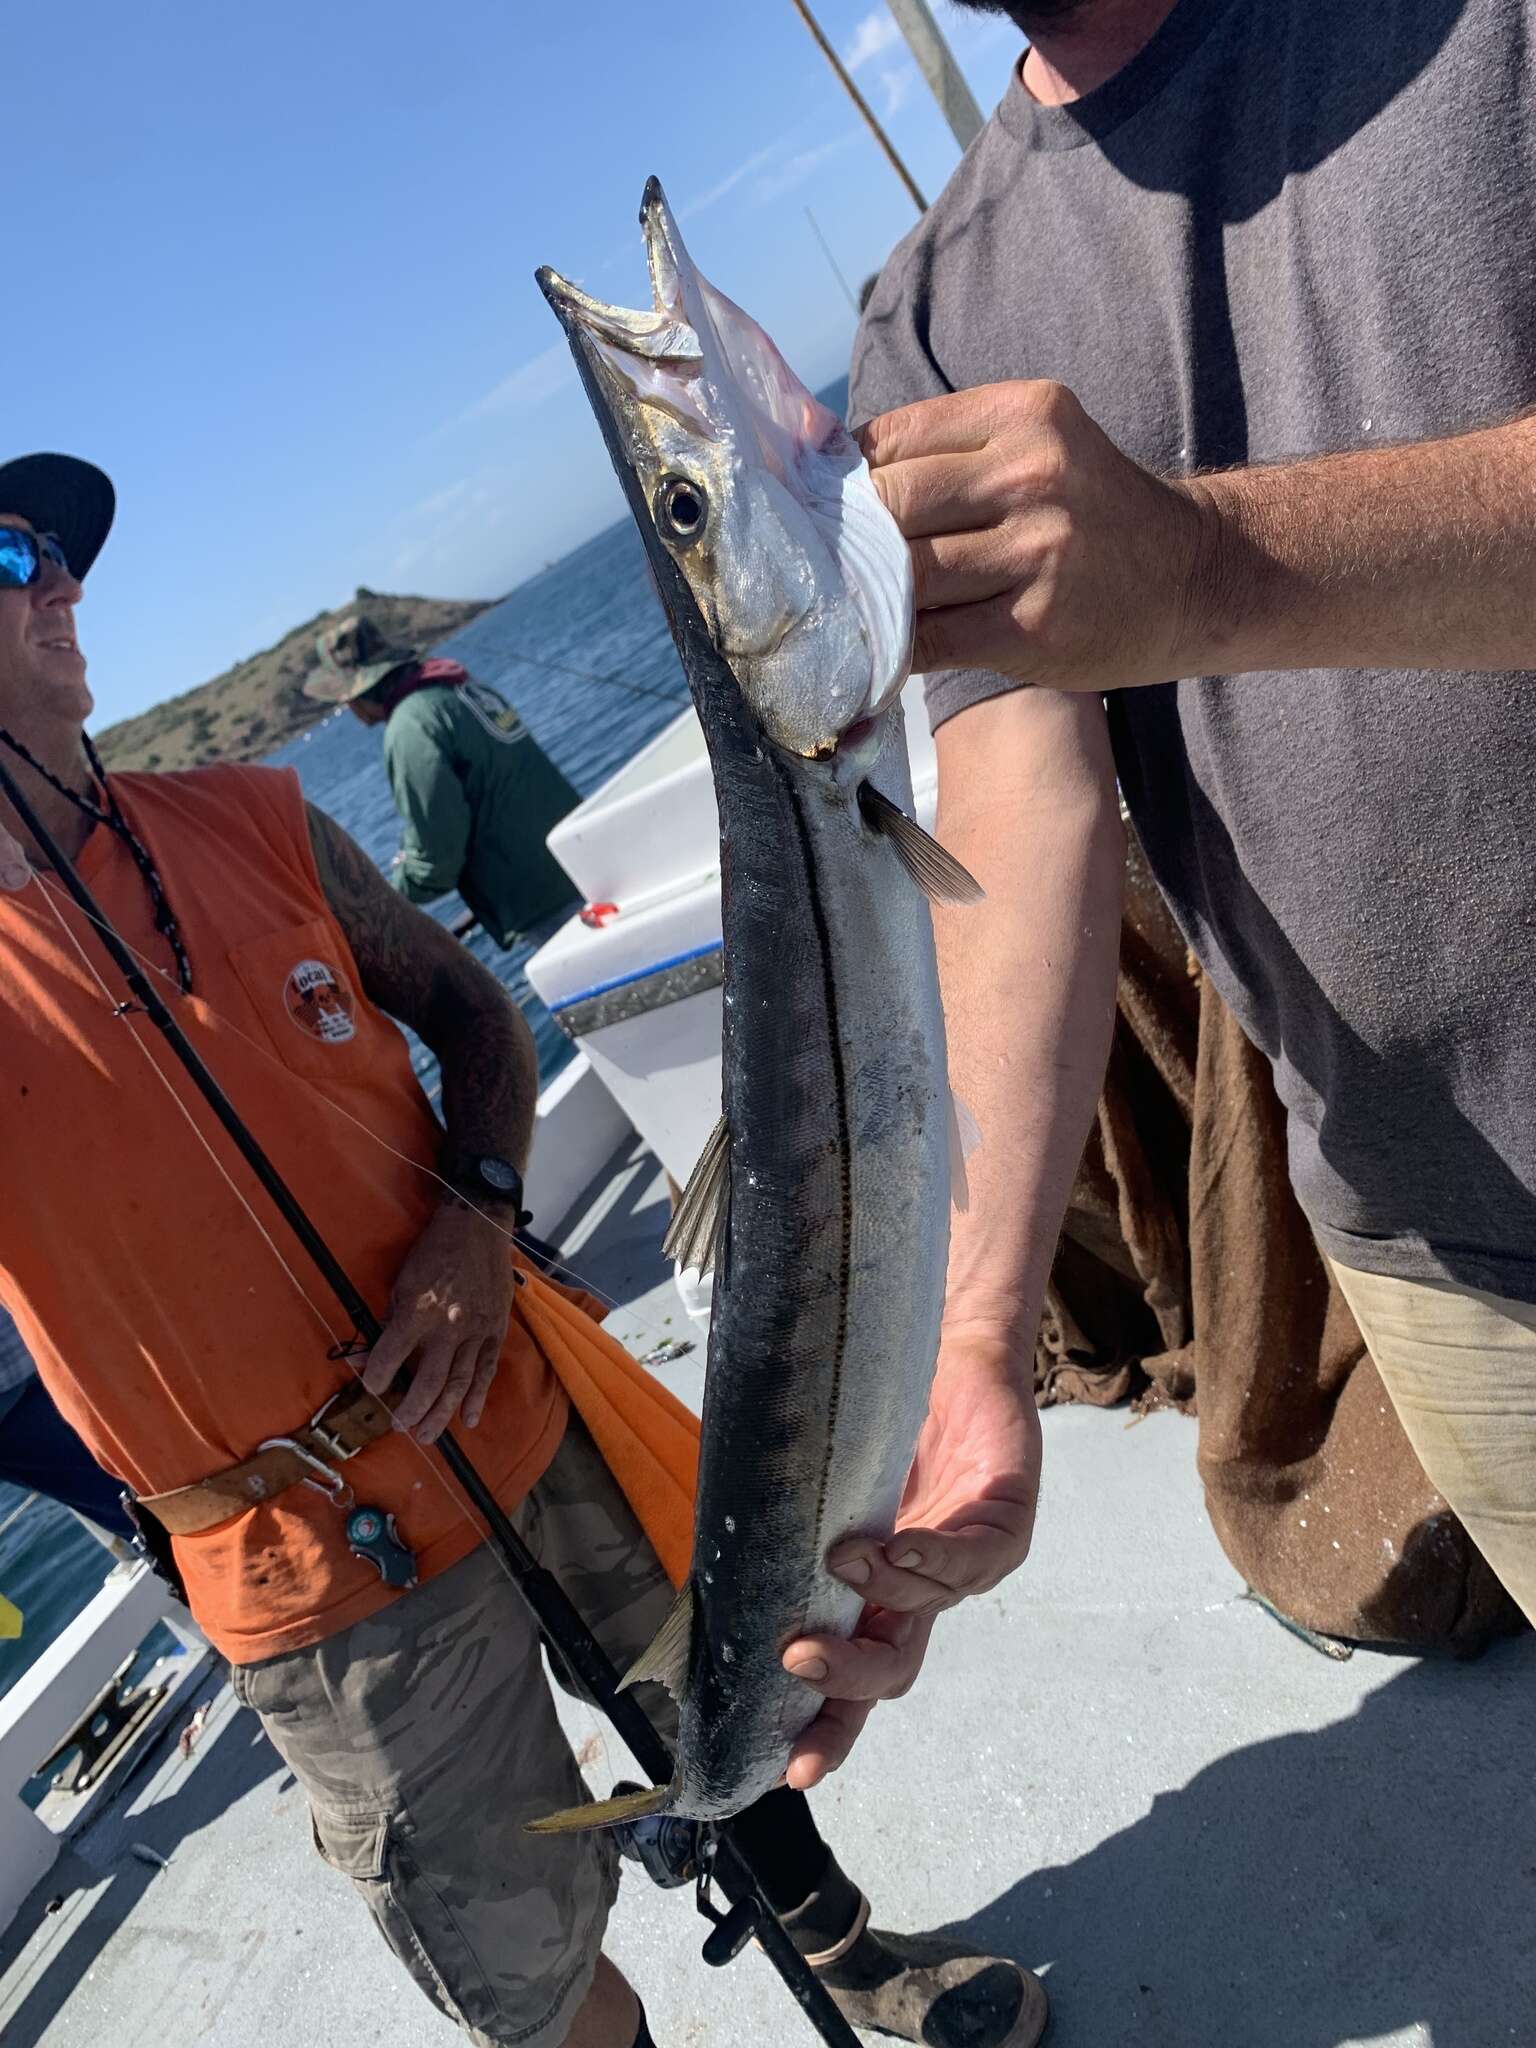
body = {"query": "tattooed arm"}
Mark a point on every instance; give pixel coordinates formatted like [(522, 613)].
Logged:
[(453, 1297), (414, 969)]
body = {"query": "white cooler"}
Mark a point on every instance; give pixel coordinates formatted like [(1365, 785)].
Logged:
[(638, 987)]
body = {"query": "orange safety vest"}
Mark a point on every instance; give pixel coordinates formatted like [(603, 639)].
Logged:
[(162, 1322)]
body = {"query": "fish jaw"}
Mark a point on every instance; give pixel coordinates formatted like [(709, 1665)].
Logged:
[(753, 493)]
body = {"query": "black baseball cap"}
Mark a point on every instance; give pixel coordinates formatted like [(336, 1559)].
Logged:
[(60, 494)]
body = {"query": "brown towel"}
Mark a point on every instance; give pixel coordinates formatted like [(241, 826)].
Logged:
[(1187, 1275)]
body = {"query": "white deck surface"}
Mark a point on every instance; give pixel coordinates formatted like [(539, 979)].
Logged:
[(1114, 1768)]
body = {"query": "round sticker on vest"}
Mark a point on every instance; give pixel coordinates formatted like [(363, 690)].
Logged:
[(320, 1002)]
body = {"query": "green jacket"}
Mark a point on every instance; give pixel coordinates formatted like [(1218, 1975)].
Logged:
[(478, 797)]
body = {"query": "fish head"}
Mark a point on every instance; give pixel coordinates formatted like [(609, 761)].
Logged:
[(753, 492)]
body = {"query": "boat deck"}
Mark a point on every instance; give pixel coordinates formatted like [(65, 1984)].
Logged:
[(1114, 1768)]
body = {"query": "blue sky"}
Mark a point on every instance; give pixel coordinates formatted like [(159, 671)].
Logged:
[(274, 272)]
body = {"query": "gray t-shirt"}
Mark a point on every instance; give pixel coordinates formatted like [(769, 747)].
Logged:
[(1290, 226)]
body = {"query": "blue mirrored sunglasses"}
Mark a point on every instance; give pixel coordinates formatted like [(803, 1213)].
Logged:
[(22, 556)]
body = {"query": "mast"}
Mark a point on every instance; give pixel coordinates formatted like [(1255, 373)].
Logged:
[(936, 61)]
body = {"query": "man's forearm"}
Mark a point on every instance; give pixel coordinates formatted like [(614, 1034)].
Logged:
[(490, 1073), (1028, 802), (414, 969), (1421, 556)]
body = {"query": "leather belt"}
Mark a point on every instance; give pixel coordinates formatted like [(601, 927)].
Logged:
[(347, 1423)]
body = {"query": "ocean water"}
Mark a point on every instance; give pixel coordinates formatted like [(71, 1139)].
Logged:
[(583, 651)]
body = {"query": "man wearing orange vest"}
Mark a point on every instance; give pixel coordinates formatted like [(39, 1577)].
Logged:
[(214, 1378)]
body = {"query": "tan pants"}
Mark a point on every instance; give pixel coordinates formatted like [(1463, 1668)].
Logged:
[(426, 1735), (1460, 1367)]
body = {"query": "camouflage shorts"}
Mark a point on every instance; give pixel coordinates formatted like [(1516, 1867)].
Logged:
[(425, 1737)]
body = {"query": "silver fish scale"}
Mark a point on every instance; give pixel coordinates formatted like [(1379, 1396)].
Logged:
[(828, 1298)]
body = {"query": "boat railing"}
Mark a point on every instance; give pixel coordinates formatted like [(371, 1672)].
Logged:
[(49, 1700)]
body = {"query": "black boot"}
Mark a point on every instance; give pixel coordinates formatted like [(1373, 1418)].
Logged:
[(914, 1987)]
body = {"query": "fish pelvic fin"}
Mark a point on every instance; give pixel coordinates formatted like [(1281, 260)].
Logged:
[(936, 872), (603, 1813), (964, 1137), (697, 1232), (665, 1659)]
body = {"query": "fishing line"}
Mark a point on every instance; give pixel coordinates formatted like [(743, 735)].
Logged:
[(126, 1015), (588, 675), (456, 1494), (17, 1512), (457, 1497)]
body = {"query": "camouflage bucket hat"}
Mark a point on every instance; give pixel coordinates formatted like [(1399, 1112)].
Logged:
[(354, 658)]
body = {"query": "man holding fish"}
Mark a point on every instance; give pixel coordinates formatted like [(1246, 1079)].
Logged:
[(1215, 361)]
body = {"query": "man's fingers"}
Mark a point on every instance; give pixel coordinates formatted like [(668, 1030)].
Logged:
[(963, 568), (397, 1340), (824, 1745), (454, 1386), (970, 636), (942, 494), (480, 1386), (869, 1666), (963, 1561), (429, 1369), (954, 423), (429, 1373), (879, 1663), (900, 1592), (963, 422), (921, 1571)]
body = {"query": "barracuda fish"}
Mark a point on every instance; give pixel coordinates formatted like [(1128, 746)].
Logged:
[(823, 1196)]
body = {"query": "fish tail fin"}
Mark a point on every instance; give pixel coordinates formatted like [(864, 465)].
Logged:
[(604, 1813)]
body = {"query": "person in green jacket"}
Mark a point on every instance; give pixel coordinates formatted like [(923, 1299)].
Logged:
[(476, 793)]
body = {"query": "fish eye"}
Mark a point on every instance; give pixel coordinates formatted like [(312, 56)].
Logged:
[(681, 510)]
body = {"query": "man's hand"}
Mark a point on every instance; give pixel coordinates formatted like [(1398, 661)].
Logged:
[(1039, 550), (965, 1523), (448, 1319), (15, 868), (1044, 553)]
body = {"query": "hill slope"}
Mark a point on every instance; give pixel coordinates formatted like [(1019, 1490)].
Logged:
[(257, 705)]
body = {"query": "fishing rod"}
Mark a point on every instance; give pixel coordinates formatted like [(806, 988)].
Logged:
[(751, 1914), (592, 675)]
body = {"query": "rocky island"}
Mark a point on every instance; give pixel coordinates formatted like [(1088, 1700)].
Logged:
[(259, 703)]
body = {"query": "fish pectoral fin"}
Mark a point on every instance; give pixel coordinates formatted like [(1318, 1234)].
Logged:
[(936, 872), (697, 1232), (665, 1659), (964, 1137), (603, 1813)]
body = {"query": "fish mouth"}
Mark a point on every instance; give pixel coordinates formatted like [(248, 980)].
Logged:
[(762, 528), (663, 333), (636, 366)]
